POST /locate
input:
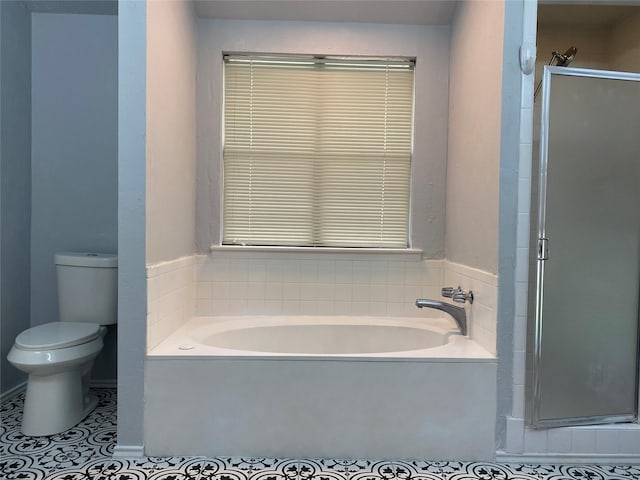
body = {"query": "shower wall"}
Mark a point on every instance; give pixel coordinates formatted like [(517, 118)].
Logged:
[(577, 443), (624, 44)]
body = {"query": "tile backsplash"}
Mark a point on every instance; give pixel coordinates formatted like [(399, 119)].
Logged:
[(482, 314), (315, 284), (265, 283), (170, 294)]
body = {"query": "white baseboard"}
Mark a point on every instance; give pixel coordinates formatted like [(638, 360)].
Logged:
[(12, 392), (128, 451), (568, 458)]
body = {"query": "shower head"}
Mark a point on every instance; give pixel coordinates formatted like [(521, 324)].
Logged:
[(561, 60), (564, 59)]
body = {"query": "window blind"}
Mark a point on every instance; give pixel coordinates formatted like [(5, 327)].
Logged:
[(317, 152)]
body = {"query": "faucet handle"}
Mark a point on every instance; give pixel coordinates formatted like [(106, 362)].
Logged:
[(448, 291), (461, 296)]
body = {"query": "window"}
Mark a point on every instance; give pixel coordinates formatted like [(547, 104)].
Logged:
[(317, 151)]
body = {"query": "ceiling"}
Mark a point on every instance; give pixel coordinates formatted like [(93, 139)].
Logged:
[(417, 12)]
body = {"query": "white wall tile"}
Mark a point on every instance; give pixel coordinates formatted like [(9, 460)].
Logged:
[(519, 357), (583, 440), (521, 291), (273, 290), (629, 441), (526, 125), (535, 441), (361, 292), (378, 273), (361, 272), (220, 290), (272, 307), (525, 160), (515, 435), (203, 306), (325, 291), (395, 273), (523, 229), (524, 195), (204, 289), (343, 292), (522, 265), (559, 440), (308, 307), (171, 296), (255, 306), (519, 333), (412, 273), (291, 291), (290, 307), (327, 272), (337, 286), (309, 271), (344, 271), (607, 441), (518, 401)]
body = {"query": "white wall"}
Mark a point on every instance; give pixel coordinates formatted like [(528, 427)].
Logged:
[(475, 100), (171, 166), (15, 188), (171, 130), (74, 152), (430, 45)]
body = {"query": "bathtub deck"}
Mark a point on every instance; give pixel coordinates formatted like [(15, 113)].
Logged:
[(84, 452)]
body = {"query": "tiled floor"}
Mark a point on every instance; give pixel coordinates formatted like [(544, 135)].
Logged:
[(84, 452)]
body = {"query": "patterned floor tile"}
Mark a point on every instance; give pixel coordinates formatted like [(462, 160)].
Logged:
[(84, 453)]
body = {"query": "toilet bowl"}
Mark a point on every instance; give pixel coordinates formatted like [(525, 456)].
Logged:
[(59, 356)]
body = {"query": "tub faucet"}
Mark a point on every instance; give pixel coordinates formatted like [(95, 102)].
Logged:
[(458, 313)]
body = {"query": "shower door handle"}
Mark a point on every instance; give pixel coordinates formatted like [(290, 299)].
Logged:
[(543, 249)]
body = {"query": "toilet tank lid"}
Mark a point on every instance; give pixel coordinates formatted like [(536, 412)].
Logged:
[(54, 335), (86, 259)]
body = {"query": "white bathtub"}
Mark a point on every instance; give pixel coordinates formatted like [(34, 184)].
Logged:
[(306, 337), (336, 387)]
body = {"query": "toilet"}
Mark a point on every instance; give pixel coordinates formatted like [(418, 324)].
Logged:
[(59, 356)]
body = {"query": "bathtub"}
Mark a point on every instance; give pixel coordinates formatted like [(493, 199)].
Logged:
[(310, 387)]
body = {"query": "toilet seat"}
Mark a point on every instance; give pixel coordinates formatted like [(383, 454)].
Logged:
[(57, 335)]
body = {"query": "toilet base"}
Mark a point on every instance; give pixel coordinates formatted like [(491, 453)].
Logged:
[(55, 403)]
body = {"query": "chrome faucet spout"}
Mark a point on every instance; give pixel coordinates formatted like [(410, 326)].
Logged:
[(458, 313)]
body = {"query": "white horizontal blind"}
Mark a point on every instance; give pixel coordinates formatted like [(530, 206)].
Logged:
[(317, 152)]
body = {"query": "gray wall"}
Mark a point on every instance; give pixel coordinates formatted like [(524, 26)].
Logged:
[(15, 188), (74, 152), (171, 130), (429, 44), (474, 135)]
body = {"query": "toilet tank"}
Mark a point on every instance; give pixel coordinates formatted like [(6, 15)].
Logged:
[(87, 287)]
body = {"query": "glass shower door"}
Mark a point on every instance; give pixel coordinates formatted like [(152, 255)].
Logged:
[(586, 337)]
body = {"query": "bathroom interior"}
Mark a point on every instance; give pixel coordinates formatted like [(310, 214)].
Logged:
[(113, 145)]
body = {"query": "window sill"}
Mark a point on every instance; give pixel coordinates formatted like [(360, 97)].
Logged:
[(409, 253)]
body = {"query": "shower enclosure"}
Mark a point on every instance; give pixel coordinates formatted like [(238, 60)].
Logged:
[(583, 362)]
